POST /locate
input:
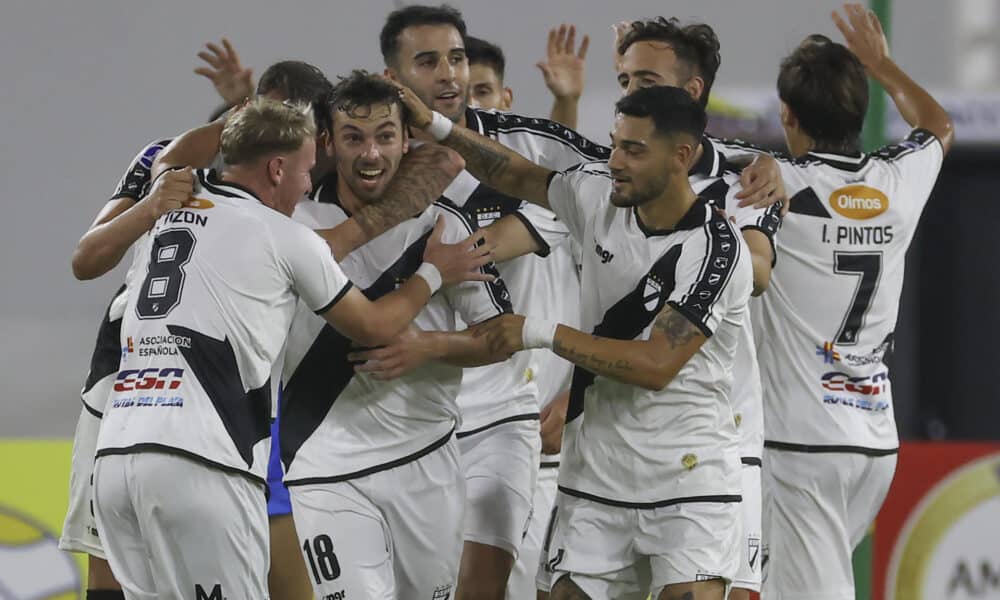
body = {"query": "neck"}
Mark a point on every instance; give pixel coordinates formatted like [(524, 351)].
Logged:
[(348, 199), (667, 209), (251, 179)]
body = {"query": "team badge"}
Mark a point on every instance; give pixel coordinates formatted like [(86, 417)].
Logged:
[(651, 294)]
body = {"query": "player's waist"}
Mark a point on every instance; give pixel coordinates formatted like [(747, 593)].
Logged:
[(311, 467), (256, 472)]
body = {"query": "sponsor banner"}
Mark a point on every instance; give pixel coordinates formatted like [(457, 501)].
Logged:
[(751, 113), (937, 534), (33, 500)]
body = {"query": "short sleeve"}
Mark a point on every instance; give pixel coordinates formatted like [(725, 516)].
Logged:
[(544, 226), (765, 220), (575, 194), (474, 301), (135, 182), (315, 275), (712, 276), (916, 162)]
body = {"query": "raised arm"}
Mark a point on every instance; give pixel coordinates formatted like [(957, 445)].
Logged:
[(490, 162), (563, 70), (865, 38), (196, 148)]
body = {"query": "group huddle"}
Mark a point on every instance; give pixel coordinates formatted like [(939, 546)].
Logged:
[(383, 338)]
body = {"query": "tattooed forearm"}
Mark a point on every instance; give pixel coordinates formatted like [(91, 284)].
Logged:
[(422, 177), (591, 360), (676, 327), (486, 159)]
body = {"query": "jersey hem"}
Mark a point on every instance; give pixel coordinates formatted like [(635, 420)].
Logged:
[(715, 499), (91, 409), (752, 461), (377, 468), (513, 419), (164, 449), (690, 316), (343, 291), (829, 449)]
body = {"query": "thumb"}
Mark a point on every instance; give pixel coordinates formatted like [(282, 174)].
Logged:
[(437, 231)]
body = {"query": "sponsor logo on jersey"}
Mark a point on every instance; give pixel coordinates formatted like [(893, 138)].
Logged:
[(604, 254), (830, 355), (215, 594), (198, 203), (151, 378), (147, 158), (442, 592), (341, 595), (827, 352), (155, 345), (859, 202), (839, 387)]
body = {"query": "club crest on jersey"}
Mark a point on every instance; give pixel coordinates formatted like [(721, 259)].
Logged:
[(859, 202), (651, 294), (486, 216)]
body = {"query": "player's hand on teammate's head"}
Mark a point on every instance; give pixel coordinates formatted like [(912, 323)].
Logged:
[(169, 192), (232, 81), (762, 184), (410, 350), (563, 67), (503, 334), (459, 262), (420, 114), (863, 35)]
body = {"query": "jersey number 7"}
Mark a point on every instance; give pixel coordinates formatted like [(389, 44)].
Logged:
[(161, 290), (867, 266)]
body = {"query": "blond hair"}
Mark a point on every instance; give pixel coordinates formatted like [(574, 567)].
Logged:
[(265, 127)]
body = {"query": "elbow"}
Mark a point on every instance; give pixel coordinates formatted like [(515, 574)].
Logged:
[(760, 286), (656, 380), (946, 134), (83, 269), (373, 333)]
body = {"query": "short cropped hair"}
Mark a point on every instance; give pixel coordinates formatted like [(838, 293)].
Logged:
[(265, 127), (413, 16), (300, 83), (826, 88), (672, 110), (695, 45), (481, 52), (361, 88)]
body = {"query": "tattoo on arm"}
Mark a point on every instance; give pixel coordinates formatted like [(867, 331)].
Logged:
[(676, 327), (591, 361), (416, 185), (484, 158)]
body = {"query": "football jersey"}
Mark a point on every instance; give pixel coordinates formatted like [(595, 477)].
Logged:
[(543, 285), (208, 311), (624, 445), (337, 424), (746, 394), (826, 322), (134, 184)]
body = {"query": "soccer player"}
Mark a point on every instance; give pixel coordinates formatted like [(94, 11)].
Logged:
[(487, 66), (828, 319), (663, 52), (372, 466), (424, 47), (182, 451), (649, 483)]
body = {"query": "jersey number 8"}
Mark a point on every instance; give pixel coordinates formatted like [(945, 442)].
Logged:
[(161, 290)]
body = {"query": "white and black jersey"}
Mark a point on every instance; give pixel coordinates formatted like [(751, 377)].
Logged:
[(134, 184), (746, 395), (336, 424), (624, 445), (826, 322), (542, 285), (208, 311)]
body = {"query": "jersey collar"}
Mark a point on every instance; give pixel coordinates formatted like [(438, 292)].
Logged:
[(711, 162), (845, 162), (212, 181), (695, 217)]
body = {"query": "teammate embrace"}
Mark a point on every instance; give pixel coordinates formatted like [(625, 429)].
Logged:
[(471, 302)]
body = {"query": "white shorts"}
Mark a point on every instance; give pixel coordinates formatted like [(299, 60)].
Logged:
[(172, 526), (521, 583), (393, 534), (501, 468), (630, 553), (79, 532), (817, 508), (751, 553)]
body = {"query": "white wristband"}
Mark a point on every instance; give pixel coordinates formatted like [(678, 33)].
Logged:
[(538, 333), (431, 275), (440, 126)]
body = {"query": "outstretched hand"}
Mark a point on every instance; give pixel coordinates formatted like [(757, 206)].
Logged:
[(232, 81), (864, 35), (563, 67)]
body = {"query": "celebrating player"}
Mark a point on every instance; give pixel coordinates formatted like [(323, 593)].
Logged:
[(827, 323)]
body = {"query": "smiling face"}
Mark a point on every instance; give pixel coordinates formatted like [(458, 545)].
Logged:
[(431, 61), (486, 90), (654, 63), (368, 143), (641, 161)]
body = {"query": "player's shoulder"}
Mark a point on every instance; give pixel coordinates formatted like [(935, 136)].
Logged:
[(917, 140), (135, 181), (494, 122), (456, 220)]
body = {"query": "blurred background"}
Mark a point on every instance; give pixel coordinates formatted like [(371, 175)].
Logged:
[(86, 84)]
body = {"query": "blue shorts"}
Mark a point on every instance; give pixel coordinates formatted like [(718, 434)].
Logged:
[(278, 502)]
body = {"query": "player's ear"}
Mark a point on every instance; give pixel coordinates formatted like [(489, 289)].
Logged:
[(788, 120), (508, 99), (695, 86), (275, 170)]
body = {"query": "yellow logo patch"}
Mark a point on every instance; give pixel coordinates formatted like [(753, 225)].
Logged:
[(859, 202), (197, 203)]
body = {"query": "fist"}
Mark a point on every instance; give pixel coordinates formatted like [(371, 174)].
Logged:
[(503, 334), (170, 191)]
